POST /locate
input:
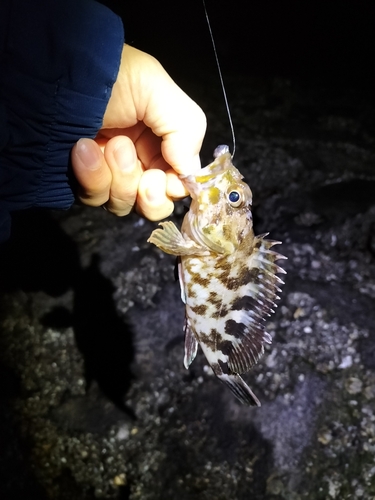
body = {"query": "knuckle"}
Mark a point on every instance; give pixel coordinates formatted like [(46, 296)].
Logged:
[(200, 120)]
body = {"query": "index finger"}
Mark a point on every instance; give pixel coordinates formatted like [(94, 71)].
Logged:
[(168, 111), (181, 124)]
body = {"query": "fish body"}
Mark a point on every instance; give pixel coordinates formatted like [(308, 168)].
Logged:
[(227, 275)]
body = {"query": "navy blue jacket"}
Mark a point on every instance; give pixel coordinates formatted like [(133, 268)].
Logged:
[(58, 62)]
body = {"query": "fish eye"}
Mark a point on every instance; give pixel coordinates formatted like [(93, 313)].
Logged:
[(235, 198)]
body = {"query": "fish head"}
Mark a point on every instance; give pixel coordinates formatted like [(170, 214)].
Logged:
[(220, 213)]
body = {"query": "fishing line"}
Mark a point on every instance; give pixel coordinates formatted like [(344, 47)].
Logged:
[(221, 78)]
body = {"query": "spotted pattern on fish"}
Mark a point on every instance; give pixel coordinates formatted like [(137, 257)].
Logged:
[(228, 276)]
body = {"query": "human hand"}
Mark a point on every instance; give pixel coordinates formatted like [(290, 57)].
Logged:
[(152, 131)]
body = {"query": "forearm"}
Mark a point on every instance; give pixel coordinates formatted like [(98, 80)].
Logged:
[(59, 61)]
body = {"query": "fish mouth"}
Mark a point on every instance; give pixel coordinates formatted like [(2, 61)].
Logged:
[(193, 187), (207, 176)]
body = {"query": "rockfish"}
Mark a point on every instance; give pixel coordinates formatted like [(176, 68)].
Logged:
[(227, 275)]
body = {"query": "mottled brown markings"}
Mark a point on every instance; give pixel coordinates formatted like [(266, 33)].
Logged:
[(236, 329), (210, 340), (223, 267), (248, 303), (200, 310), (223, 277), (214, 299), (221, 313), (204, 282), (244, 277), (225, 346), (191, 292), (197, 277), (245, 303)]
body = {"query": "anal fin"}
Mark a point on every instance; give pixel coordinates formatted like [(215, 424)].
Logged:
[(240, 389)]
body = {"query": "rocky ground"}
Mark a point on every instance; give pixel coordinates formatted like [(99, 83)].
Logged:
[(95, 400)]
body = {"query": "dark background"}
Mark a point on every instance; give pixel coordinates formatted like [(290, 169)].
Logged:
[(331, 40), (79, 304)]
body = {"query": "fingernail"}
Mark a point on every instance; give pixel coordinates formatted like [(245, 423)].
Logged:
[(124, 157), (88, 154)]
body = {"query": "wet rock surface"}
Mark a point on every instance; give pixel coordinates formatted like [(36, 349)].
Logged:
[(95, 400)]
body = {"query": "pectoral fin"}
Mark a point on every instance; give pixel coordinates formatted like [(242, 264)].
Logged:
[(180, 278), (170, 240), (191, 345)]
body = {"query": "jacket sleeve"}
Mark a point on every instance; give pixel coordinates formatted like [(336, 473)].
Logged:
[(58, 62)]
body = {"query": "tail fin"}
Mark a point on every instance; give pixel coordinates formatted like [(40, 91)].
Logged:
[(240, 389)]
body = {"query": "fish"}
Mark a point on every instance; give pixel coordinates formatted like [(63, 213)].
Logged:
[(228, 276)]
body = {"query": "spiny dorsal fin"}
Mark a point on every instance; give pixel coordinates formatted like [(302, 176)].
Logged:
[(245, 321)]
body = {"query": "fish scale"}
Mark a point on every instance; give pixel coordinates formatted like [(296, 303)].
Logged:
[(228, 276)]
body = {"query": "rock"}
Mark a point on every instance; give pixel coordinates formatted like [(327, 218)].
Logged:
[(97, 403)]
